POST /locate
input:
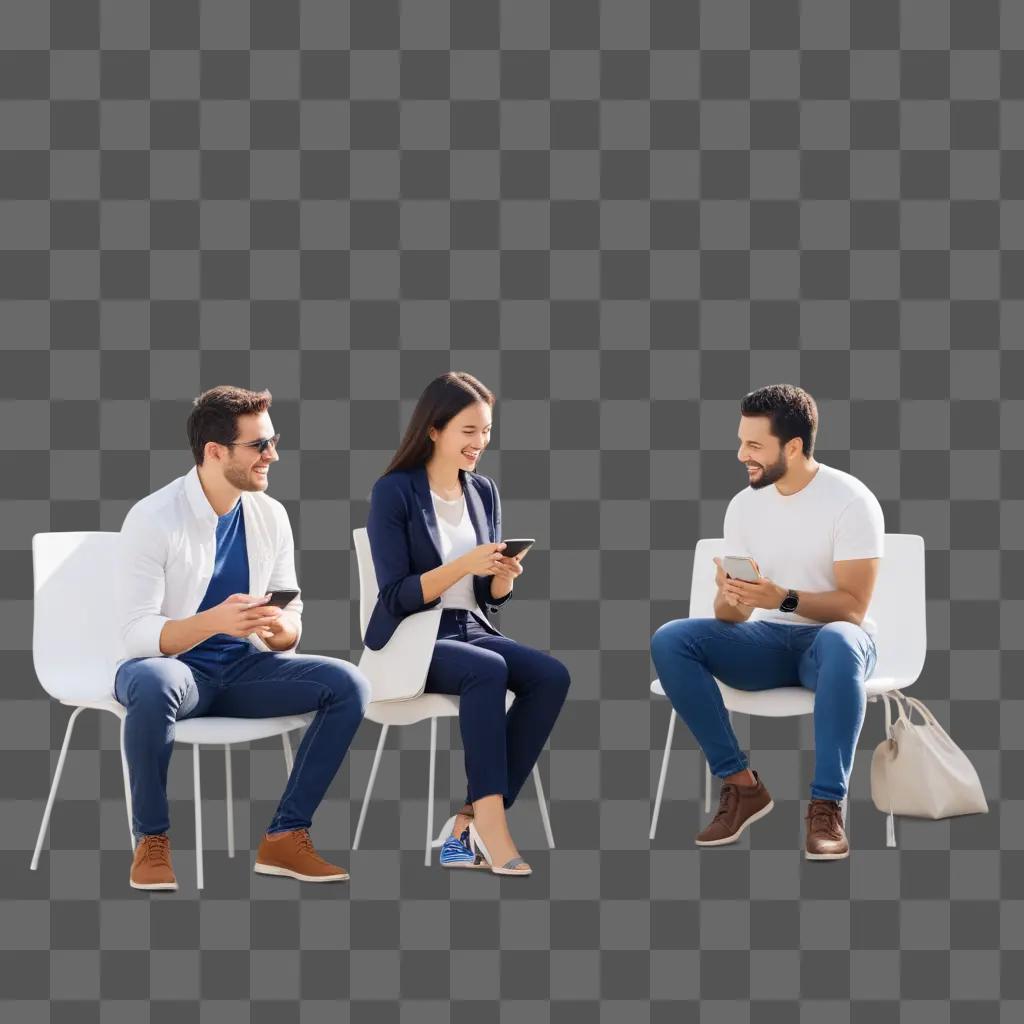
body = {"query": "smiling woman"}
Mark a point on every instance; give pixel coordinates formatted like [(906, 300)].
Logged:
[(435, 537)]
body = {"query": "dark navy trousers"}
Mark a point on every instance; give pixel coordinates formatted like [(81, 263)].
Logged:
[(501, 749)]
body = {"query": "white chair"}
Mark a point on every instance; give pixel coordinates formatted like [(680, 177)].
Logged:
[(897, 606), (408, 655), (75, 648)]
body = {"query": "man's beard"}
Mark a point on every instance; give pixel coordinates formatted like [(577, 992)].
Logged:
[(769, 474), (240, 478)]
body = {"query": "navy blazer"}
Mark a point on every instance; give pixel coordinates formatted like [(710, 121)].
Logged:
[(405, 543)]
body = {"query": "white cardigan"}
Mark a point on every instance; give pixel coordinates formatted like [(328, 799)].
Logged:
[(166, 555)]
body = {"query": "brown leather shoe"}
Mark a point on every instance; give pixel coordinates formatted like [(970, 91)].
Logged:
[(291, 853), (738, 806), (151, 865), (826, 839)]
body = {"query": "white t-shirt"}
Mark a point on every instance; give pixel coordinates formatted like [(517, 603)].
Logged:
[(795, 538), (457, 537)]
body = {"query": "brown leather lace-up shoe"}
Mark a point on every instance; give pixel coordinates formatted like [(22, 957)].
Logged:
[(291, 853), (151, 865), (826, 839), (738, 806)]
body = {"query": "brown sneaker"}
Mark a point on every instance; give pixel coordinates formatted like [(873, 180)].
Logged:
[(151, 865), (826, 839), (291, 853), (738, 806)]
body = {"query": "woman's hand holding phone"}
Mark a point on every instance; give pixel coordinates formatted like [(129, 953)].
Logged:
[(487, 560), (484, 559)]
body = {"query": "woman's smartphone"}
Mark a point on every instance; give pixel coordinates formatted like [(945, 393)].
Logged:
[(740, 567), (518, 546), (279, 598)]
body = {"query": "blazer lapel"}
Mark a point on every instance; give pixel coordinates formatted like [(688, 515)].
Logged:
[(473, 505), (421, 486), (476, 508)]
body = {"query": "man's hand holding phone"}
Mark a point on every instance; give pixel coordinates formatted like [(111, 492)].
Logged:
[(763, 593), (242, 614)]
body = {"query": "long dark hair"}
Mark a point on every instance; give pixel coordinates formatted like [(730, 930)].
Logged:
[(443, 398)]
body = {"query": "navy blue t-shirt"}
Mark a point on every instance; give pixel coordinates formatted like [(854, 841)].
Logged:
[(230, 576)]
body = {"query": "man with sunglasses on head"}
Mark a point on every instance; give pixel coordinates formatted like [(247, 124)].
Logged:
[(198, 562)]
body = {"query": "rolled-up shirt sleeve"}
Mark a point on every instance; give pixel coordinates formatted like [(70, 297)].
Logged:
[(399, 587), (139, 586)]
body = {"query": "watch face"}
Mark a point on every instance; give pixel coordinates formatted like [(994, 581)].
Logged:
[(789, 603)]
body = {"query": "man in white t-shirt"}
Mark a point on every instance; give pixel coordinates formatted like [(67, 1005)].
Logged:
[(815, 535)]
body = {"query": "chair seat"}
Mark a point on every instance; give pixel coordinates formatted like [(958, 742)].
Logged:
[(212, 729), (218, 731), (783, 701), (419, 709)]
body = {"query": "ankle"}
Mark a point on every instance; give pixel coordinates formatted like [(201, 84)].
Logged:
[(742, 778)]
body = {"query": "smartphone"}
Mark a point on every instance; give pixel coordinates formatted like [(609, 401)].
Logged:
[(517, 546), (740, 567), (279, 598)]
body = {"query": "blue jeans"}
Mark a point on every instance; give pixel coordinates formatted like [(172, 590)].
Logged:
[(480, 667), (833, 659), (241, 683)]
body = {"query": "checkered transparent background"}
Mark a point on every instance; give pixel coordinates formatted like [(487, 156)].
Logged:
[(621, 216)]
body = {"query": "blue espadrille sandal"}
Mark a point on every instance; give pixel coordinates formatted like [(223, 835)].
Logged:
[(455, 853)]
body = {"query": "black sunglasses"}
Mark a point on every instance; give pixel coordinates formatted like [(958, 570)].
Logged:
[(262, 443)]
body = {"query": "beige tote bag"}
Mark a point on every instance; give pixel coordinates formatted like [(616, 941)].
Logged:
[(919, 771)]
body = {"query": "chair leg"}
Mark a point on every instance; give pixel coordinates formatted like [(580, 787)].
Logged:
[(288, 762), (663, 773), (229, 800), (53, 786), (430, 792), (127, 787), (707, 786), (197, 800), (369, 786), (543, 805)]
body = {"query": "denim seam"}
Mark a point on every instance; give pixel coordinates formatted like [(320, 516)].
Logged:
[(719, 708)]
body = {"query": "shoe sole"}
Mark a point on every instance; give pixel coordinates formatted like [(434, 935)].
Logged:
[(153, 885), (465, 865), (735, 836), (273, 869), (825, 856)]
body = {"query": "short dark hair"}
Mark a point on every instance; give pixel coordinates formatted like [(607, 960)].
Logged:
[(214, 415), (792, 412)]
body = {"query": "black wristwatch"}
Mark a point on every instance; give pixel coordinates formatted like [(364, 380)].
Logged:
[(790, 601)]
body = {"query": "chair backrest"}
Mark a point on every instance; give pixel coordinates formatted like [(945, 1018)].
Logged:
[(367, 578), (398, 671), (75, 640), (897, 603)]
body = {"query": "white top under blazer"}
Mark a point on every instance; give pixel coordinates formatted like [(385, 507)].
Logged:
[(457, 537)]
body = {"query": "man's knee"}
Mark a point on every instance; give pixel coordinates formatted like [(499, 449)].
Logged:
[(675, 635), (842, 642), (346, 682), (152, 684)]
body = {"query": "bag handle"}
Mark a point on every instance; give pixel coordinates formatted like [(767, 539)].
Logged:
[(905, 706)]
